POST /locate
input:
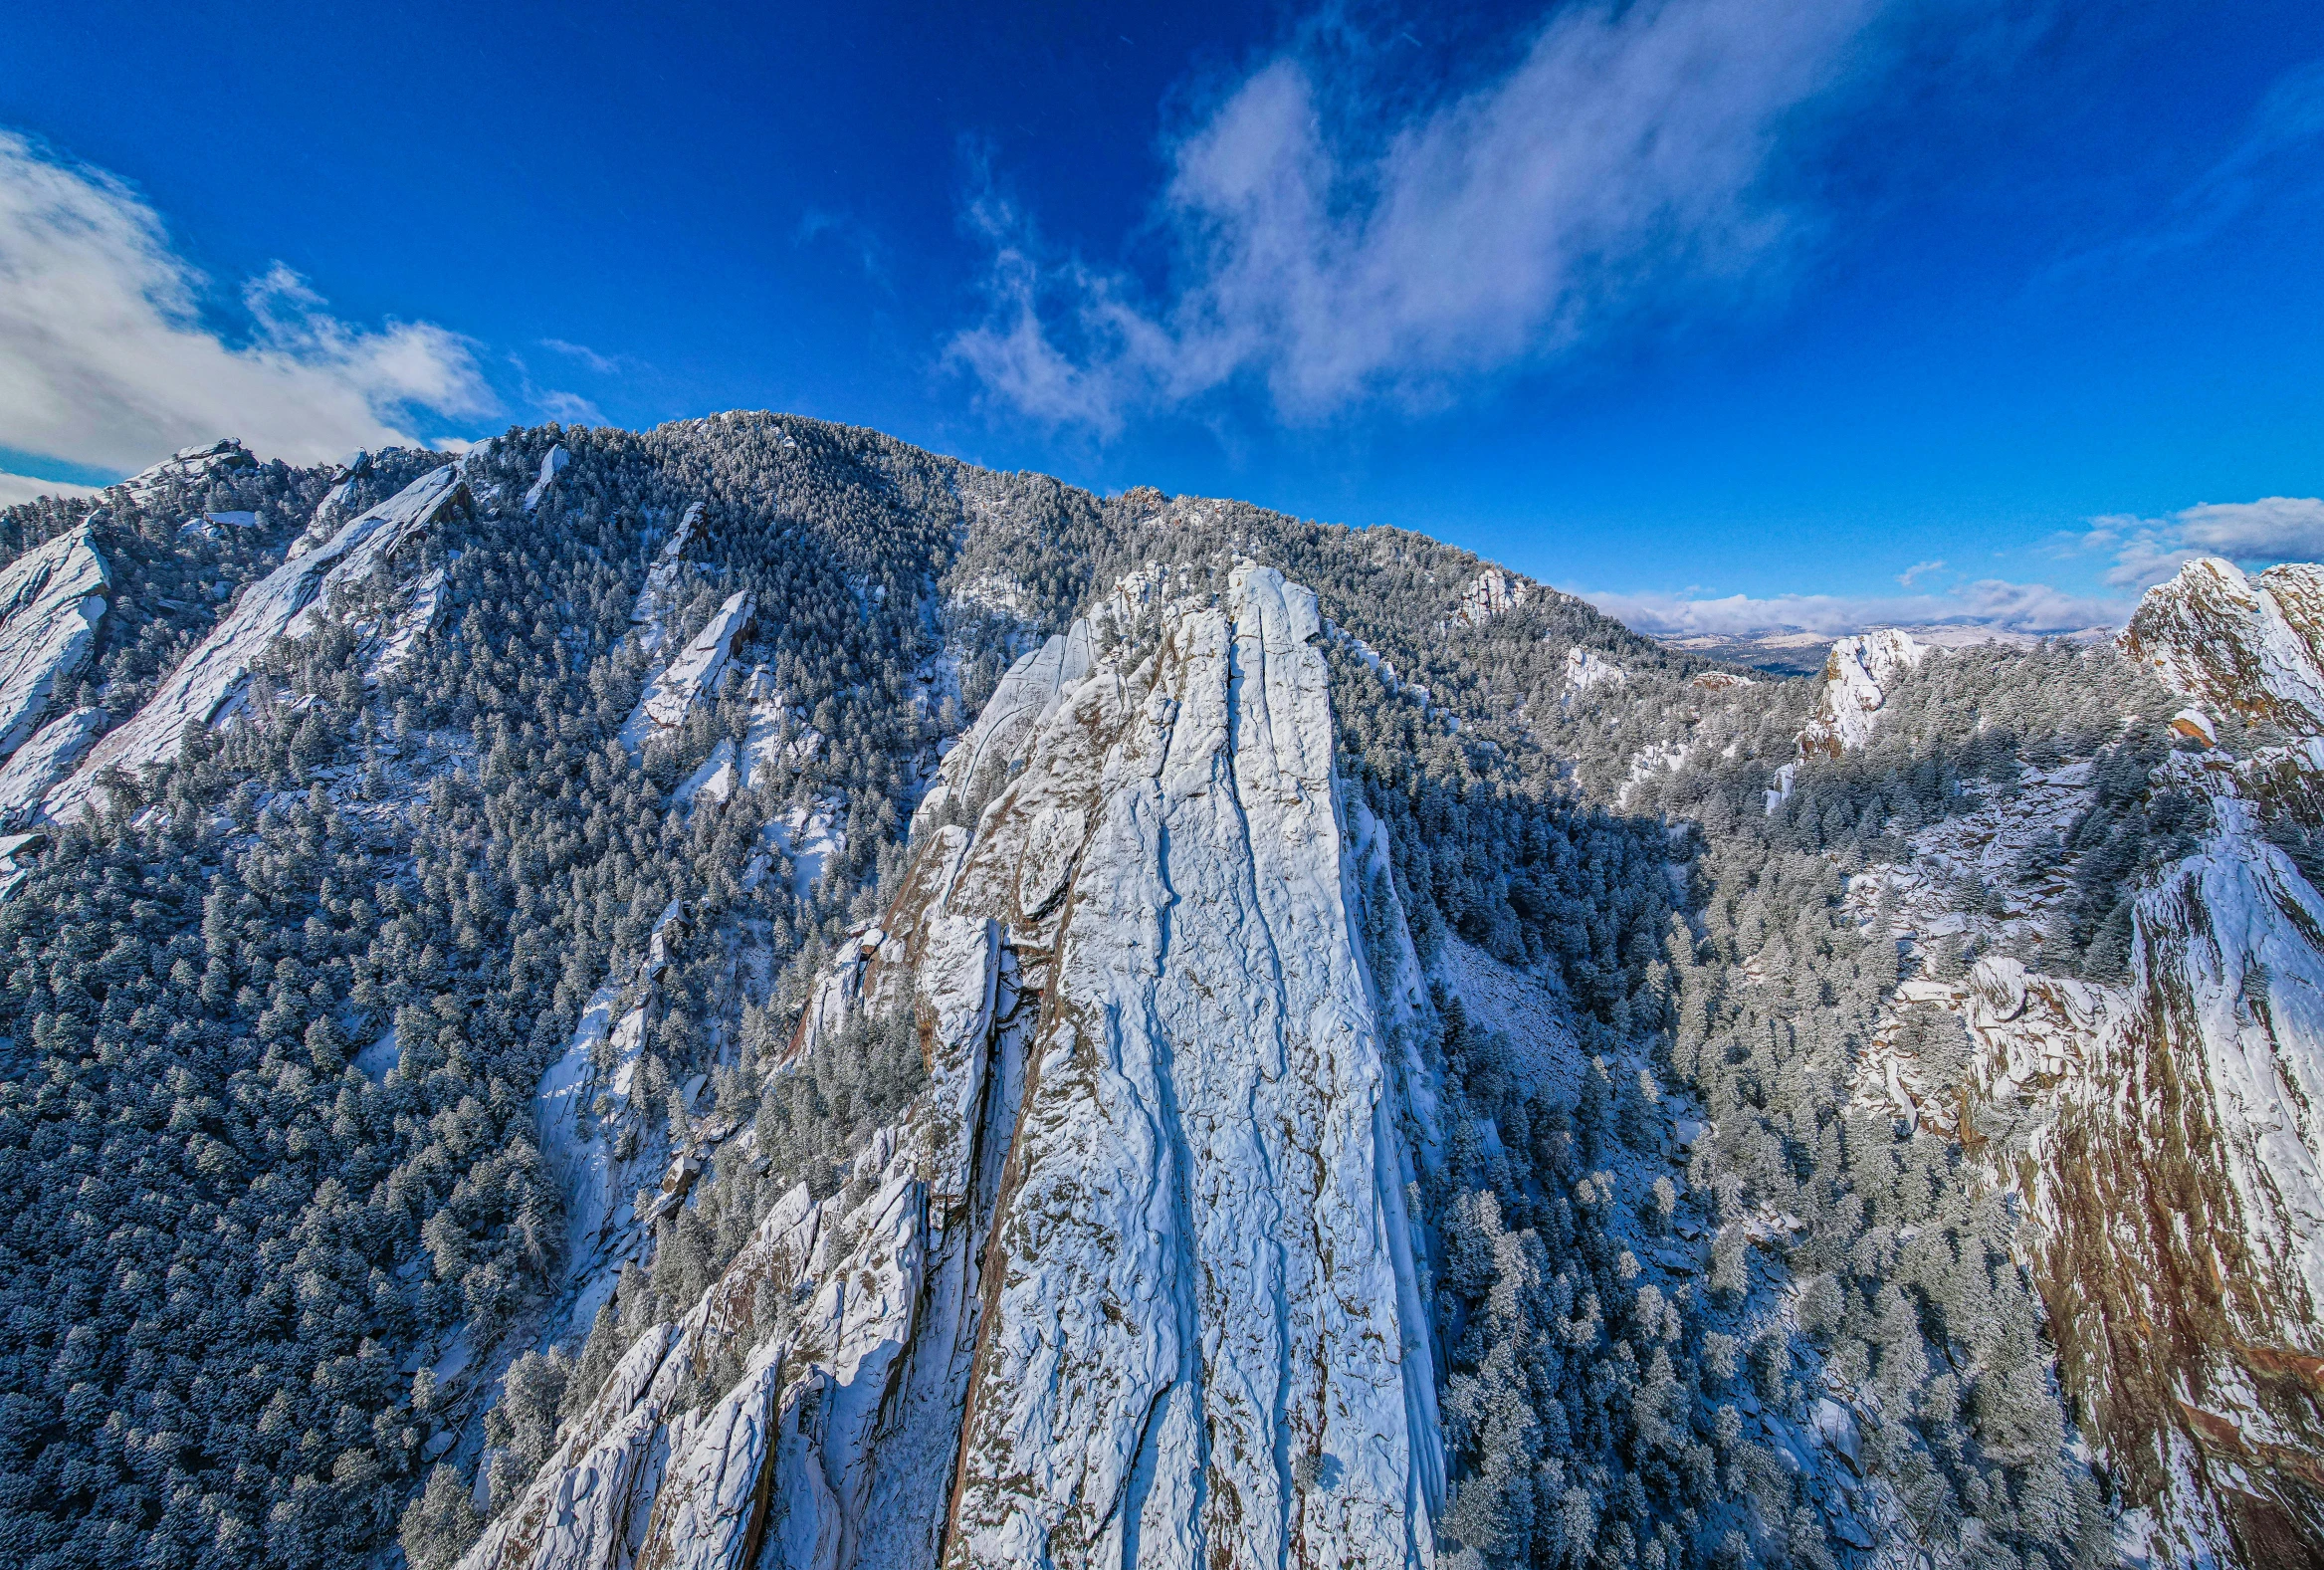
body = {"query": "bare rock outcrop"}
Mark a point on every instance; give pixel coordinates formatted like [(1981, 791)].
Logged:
[(50, 601), (277, 607), (2236, 642), (1132, 1281), (690, 677), (1858, 675)]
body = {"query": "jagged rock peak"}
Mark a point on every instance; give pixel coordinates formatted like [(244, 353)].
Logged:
[(1858, 675), (2239, 643), (189, 463)]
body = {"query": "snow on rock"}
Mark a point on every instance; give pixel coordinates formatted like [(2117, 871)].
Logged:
[(1662, 758), (1588, 668), (662, 593), (1197, 1279), (1490, 594), (552, 464), (777, 735), (412, 625), (337, 504), (280, 605), (689, 678), (190, 465), (2194, 725), (2167, 1134), (49, 756), (1139, 1249), (1780, 791), (1858, 675), (2237, 644), (50, 601), (1026, 694), (578, 1137)]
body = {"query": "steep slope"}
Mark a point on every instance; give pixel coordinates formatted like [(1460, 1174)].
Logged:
[(281, 605), (1134, 1282), (2160, 1127), (2242, 644), (1361, 1077), (50, 601)]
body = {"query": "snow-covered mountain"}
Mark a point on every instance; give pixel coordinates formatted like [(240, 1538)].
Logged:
[(748, 996)]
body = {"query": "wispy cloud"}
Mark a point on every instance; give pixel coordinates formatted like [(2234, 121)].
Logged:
[(15, 488), (2146, 551), (105, 361), (1988, 603), (1918, 569), (1619, 166), (568, 408), (2274, 159), (602, 364)]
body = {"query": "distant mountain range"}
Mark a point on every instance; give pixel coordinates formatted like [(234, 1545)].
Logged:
[(1790, 651)]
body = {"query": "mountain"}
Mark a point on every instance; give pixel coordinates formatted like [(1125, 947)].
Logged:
[(749, 994), (1790, 651)]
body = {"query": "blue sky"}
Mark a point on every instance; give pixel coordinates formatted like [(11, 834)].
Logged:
[(1729, 312)]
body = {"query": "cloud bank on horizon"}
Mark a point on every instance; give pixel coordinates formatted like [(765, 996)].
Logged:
[(1987, 603), (107, 363), (2142, 553)]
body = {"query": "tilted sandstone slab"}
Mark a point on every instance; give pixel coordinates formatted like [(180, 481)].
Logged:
[(690, 677), (1132, 1283), (41, 763), (1198, 1308), (278, 605), (51, 600)]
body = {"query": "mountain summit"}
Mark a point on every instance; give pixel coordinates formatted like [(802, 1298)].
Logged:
[(750, 995)]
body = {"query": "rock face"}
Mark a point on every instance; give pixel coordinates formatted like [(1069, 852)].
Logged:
[(1587, 668), (190, 465), (1492, 592), (1133, 1284), (1858, 677), (50, 601), (2169, 1133), (277, 605), (552, 464), (2237, 644), (41, 763), (690, 677)]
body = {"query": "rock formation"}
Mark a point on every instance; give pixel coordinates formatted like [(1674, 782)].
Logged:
[(1133, 1281), (51, 600), (278, 605)]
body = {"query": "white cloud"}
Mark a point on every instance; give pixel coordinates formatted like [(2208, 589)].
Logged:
[(2272, 529), (104, 360), (589, 357), (2146, 551), (568, 408), (1918, 569), (1989, 602), (15, 488), (1618, 163)]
